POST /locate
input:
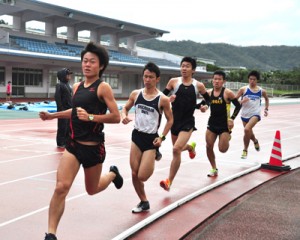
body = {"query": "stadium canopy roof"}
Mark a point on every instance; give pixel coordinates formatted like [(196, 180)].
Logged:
[(31, 10)]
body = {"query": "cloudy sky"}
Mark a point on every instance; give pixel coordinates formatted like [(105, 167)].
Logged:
[(237, 22)]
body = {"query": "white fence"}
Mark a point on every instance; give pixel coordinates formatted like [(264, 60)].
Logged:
[(235, 86)]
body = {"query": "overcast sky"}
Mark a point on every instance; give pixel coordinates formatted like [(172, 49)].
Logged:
[(237, 22)]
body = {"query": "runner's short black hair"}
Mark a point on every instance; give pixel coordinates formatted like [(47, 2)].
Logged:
[(255, 74), (152, 67), (190, 60), (100, 51), (220, 72)]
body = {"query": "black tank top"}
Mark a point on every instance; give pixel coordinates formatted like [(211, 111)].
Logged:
[(218, 110), (184, 105), (87, 99)]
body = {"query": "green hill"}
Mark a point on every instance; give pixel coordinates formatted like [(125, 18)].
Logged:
[(262, 58)]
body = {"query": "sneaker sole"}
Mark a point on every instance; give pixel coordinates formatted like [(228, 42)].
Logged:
[(137, 211)]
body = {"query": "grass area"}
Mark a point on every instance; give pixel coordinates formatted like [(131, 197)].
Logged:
[(282, 92)]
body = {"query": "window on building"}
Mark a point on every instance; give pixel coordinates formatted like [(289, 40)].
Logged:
[(34, 77), (112, 80), (53, 78), (2, 76), (27, 77)]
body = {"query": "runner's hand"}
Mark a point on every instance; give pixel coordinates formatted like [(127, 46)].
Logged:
[(82, 114), (157, 142), (45, 116), (126, 120)]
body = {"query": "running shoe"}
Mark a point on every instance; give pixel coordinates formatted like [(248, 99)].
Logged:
[(213, 173), (118, 181), (256, 145), (50, 236), (165, 184), (244, 154), (141, 207), (158, 155), (192, 153)]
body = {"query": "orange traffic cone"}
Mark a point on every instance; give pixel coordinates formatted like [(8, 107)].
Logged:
[(275, 162)]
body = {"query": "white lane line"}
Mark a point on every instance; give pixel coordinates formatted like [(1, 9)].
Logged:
[(37, 211), (153, 217), (178, 203), (13, 220), (26, 178), (135, 228), (30, 157)]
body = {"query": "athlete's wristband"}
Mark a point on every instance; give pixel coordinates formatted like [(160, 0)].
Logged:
[(163, 137)]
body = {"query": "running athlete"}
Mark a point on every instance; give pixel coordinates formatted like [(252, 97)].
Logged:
[(219, 123), (149, 105), (251, 109), (91, 100), (184, 90)]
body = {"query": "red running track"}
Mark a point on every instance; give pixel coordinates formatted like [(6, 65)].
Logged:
[(29, 159)]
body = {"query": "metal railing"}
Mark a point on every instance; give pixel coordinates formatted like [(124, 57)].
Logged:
[(235, 86)]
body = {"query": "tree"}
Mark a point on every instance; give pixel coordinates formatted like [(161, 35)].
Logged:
[(212, 68), (237, 76)]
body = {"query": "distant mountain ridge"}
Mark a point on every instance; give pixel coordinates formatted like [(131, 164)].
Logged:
[(263, 58)]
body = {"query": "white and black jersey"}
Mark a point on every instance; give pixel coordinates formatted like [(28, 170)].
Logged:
[(147, 113)]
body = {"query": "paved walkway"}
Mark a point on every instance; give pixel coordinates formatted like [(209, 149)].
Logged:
[(271, 211)]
